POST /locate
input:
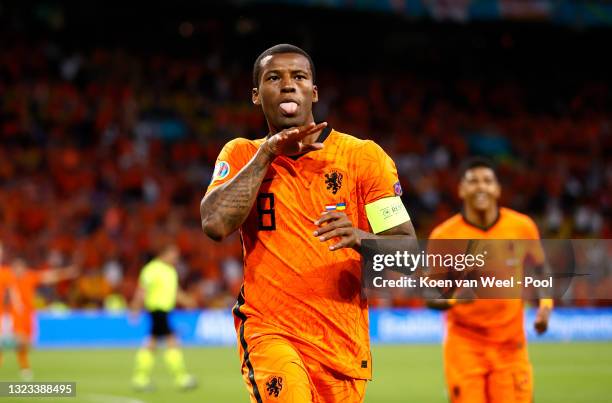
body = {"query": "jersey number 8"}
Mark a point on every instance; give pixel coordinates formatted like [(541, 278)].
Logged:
[(266, 219)]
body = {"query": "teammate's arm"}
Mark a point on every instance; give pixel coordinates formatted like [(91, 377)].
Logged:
[(225, 208), (56, 275), (546, 302), (537, 258), (184, 299), (15, 298), (543, 315), (138, 300)]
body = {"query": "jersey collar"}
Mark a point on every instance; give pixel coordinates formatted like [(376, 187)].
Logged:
[(324, 135), (481, 227)]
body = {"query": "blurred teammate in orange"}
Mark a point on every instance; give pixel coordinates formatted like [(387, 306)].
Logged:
[(8, 298), (303, 198), (485, 352), (23, 315)]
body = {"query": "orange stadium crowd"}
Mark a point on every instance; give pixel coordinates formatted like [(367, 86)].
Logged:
[(105, 152)]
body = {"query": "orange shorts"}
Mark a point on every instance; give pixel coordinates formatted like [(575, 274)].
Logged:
[(274, 371), (478, 372), (23, 324)]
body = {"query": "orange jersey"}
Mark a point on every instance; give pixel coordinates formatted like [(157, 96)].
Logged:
[(496, 320), (294, 286), (6, 280), (26, 285)]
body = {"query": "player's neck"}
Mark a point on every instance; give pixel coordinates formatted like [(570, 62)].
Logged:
[(307, 140), (481, 218)]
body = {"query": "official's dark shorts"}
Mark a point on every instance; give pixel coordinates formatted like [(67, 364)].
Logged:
[(160, 327)]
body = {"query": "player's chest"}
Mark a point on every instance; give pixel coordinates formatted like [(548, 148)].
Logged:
[(310, 185), (502, 246)]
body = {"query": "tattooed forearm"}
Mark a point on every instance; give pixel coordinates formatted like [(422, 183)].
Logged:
[(224, 209)]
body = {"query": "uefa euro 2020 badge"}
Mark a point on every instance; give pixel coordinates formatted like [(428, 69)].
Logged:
[(222, 169)]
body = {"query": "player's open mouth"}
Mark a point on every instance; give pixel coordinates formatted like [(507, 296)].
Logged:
[(288, 108), (481, 198)]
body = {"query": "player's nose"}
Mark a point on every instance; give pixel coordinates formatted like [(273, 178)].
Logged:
[(287, 85), (481, 187)]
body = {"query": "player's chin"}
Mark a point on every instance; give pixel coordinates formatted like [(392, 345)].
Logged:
[(285, 122), (482, 205)]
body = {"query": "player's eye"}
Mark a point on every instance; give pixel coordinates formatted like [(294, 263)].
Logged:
[(272, 78), (300, 77)]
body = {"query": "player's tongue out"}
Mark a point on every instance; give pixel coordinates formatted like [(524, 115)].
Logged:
[(288, 108)]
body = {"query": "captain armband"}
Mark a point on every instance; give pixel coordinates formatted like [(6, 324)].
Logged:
[(386, 213)]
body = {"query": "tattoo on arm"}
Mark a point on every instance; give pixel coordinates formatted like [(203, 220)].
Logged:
[(224, 209)]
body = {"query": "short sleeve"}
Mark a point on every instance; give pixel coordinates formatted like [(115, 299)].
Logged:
[(535, 251), (378, 175), (437, 233), (232, 158)]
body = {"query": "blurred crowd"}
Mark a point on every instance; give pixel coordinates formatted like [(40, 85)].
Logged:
[(105, 153)]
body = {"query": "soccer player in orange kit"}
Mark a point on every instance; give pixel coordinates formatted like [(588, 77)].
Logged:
[(8, 296), (485, 352), (26, 281), (303, 198)]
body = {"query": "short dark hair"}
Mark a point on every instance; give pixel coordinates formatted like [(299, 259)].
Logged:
[(476, 162), (275, 50)]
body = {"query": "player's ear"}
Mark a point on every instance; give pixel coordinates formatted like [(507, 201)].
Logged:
[(255, 96), (497, 191), (461, 190), (315, 94)]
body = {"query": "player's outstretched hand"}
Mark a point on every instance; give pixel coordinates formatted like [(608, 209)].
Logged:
[(290, 141), (541, 322), (334, 224)]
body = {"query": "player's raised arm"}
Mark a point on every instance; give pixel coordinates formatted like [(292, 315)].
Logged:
[(56, 275), (226, 207)]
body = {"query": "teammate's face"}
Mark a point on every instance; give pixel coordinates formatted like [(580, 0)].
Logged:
[(479, 189), (19, 267), (286, 91), (172, 255)]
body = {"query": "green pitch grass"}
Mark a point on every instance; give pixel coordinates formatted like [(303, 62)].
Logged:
[(568, 373)]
